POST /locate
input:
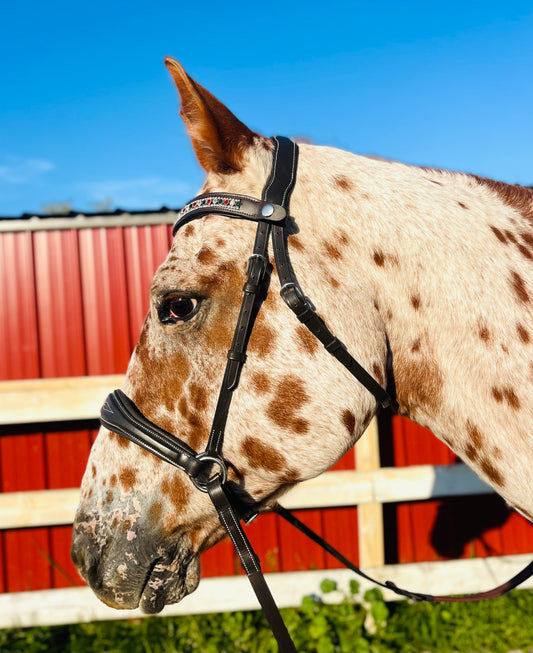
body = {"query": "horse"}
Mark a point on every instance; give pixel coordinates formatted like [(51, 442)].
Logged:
[(425, 274)]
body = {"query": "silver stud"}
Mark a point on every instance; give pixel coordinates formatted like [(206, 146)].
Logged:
[(267, 210)]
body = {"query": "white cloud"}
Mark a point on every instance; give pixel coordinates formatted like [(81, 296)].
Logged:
[(16, 170), (140, 193)]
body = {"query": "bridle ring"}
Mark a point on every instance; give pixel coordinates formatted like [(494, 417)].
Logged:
[(206, 458)]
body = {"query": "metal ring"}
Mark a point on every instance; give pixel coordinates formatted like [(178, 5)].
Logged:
[(204, 457)]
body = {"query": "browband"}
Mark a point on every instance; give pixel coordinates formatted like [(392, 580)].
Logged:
[(232, 206)]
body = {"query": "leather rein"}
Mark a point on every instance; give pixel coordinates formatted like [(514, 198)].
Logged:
[(208, 470)]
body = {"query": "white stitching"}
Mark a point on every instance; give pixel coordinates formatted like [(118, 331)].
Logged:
[(221, 514)]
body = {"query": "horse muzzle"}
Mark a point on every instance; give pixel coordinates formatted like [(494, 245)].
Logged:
[(127, 569)]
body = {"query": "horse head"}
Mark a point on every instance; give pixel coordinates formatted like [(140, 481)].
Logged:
[(141, 524)]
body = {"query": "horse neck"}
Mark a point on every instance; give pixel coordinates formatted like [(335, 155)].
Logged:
[(419, 240)]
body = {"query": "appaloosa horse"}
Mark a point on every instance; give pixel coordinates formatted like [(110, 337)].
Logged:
[(426, 276)]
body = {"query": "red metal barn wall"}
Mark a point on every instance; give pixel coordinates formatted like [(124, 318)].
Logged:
[(73, 302)]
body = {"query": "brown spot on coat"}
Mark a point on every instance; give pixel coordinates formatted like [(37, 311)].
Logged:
[(492, 472), (113, 480), (415, 302), (348, 419), (127, 477), (525, 251), (474, 435), (289, 476), (262, 455), (263, 337), (527, 238), (416, 345), (343, 238), (93, 470), (463, 206), (474, 448), (343, 183), (483, 332), (291, 395), (109, 496), (333, 251), (295, 242), (379, 258), (378, 373), (198, 396), (177, 491), (306, 340), (418, 382), (510, 236), (499, 235), (163, 387), (190, 414), (523, 333), (123, 442), (206, 255), (228, 277), (519, 287), (474, 451), (511, 398), (508, 395), (261, 382), (188, 230)]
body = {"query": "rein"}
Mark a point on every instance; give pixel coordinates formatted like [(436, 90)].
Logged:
[(208, 470)]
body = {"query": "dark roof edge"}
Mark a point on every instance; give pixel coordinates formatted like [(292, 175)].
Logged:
[(75, 220)]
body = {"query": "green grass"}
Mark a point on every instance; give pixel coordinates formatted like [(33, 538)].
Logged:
[(355, 625)]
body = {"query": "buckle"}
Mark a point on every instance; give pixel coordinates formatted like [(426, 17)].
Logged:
[(296, 299), (207, 461), (262, 261)]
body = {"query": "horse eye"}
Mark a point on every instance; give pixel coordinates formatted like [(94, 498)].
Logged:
[(177, 310)]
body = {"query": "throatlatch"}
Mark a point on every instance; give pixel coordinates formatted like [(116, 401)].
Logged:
[(208, 470)]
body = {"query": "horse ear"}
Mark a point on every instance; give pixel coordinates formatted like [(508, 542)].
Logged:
[(218, 137)]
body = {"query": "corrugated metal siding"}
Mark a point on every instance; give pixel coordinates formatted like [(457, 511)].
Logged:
[(22, 458), (73, 302), (59, 305), (76, 301)]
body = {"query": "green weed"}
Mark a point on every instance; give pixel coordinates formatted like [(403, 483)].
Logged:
[(353, 624)]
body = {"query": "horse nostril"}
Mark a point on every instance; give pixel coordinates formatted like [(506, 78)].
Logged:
[(77, 553), (94, 579)]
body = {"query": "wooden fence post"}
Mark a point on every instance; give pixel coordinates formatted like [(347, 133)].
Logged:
[(370, 515)]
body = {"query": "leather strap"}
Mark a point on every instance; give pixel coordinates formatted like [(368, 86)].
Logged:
[(254, 290), (250, 564), (516, 580), (120, 415)]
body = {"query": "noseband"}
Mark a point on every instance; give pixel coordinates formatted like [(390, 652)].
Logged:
[(208, 470)]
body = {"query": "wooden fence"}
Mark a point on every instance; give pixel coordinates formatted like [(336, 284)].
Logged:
[(70, 399)]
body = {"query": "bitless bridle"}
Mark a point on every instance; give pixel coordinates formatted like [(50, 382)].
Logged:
[(208, 470)]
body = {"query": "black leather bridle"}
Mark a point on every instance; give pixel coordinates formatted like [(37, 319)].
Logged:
[(208, 470)]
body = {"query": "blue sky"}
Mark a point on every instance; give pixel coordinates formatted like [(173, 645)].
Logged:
[(88, 111)]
